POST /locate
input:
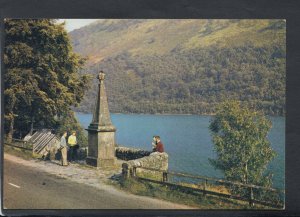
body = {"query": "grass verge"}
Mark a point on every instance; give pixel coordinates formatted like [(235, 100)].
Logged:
[(22, 153), (186, 197)]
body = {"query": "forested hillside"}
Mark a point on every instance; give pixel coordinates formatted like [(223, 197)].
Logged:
[(185, 66)]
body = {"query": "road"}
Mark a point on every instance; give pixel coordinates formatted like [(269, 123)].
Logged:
[(28, 188)]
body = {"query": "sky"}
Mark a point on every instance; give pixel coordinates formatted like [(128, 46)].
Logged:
[(72, 24)]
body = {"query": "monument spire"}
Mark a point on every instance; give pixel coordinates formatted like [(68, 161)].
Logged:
[(101, 116), (101, 131)]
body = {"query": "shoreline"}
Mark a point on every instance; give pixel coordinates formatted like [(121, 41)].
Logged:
[(167, 114)]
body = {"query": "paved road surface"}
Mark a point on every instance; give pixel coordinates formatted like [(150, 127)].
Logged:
[(28, 188)]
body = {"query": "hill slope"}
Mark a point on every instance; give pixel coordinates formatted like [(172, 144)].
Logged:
[(185, 66)]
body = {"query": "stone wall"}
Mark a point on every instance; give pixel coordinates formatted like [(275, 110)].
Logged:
[(55, 154), (125, 153), (156, 160), (132, 156)]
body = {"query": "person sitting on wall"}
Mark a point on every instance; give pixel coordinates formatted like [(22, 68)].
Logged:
[(154, 143), (159, 145)]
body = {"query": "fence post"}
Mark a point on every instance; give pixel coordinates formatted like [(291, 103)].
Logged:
[(251, 197), (125, 170), (204, 187), (165, 176), (134, 171)]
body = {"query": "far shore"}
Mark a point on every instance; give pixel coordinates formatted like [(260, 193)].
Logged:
[(118, 113), (174, 114)]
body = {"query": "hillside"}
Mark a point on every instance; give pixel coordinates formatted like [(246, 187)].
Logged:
[(185, 66)]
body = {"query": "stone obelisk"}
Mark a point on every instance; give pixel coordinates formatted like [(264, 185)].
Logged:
[(101, 132)]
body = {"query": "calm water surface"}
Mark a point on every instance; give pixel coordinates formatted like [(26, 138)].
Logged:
[(187, 140)]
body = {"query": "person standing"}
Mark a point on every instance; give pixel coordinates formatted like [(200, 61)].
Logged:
[(63, 149), (159, 145), (72, 141)]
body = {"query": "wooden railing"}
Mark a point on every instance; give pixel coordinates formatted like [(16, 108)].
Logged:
[(207, 184), (18, 143)]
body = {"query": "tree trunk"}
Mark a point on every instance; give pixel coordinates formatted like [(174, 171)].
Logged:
[(246, 173), (31, 127), (11, 130)]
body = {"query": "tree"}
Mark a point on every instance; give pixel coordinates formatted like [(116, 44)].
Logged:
[(41, 79), (240, 142)]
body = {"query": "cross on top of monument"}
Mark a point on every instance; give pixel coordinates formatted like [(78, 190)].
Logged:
[(101, 76)]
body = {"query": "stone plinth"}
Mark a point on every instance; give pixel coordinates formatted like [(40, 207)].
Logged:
[(101, 155), (101, 132)]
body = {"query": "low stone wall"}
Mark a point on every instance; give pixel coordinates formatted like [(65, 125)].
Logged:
[(125, 153), (156, 160), (55, 154)]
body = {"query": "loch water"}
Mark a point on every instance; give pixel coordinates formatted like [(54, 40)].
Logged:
[(187, 140)]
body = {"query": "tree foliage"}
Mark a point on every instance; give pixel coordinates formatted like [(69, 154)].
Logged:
[(41, 79), (241, 144)]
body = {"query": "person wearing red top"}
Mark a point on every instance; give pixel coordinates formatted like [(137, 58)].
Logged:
[(159, 145)]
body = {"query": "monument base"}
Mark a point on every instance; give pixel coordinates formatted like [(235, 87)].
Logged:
[(97, 162)]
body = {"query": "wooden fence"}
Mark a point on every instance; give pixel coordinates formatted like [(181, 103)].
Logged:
[(19, 143), (39, 143), (205, 187)]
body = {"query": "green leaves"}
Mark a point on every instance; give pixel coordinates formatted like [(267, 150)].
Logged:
[(240, 141), (41, 73)]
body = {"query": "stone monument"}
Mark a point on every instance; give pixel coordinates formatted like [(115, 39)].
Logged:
[(101, 132)]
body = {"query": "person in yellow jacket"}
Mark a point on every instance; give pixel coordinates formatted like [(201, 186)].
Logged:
[(72, 141)]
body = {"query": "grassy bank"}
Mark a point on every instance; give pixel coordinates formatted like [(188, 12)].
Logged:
[(18, 152), (173, 194)]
